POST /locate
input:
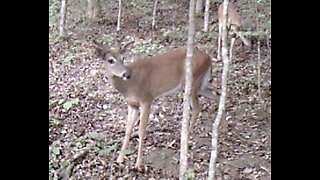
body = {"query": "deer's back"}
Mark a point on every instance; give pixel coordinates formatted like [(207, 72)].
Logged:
[(162, 73), (233, 15)]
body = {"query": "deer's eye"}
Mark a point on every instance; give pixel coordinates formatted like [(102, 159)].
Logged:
[(111, 61)]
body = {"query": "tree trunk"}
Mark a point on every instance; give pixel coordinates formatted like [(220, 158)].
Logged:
[(206, 15), (187, 95), (63, 15), (154, 13), (93, 9), (119, 16), (258, 49), (259, 70), (199, 7), (215, 125)]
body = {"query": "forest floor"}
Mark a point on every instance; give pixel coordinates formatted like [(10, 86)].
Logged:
[(87, 114)]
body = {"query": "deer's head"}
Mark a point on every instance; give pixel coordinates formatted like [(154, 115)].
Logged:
[(113, 60)]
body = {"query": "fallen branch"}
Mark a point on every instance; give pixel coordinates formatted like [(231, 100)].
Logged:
[(66, 172)]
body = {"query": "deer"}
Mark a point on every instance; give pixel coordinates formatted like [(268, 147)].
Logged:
[(233, 26), (143, 80)]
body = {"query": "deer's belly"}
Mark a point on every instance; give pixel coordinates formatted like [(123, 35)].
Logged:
[(171, 91)]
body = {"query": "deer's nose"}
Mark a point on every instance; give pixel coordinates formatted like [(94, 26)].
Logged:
[(125, 75)]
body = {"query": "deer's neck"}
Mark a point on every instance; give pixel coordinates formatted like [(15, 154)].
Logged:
[(119, 84), (128, 91), (122, 86)]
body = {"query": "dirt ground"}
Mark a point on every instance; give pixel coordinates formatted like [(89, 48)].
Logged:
[(85, 111)]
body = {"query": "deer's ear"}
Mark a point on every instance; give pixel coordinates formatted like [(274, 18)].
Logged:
[(98, 47), (116, 51), (123, 48)]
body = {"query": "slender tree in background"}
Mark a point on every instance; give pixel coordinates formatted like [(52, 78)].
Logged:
[(93, 9), (199, 15), (154, 13), (259, 71), (206, 16), (187, 95), (258, 49), (268, 44), (215, 125), (199, 7), (119, 16), (63, 15)]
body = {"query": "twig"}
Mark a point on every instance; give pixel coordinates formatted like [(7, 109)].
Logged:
[(266, 169), (66, 172)]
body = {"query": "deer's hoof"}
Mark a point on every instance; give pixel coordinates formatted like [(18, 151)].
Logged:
[(138, 168)]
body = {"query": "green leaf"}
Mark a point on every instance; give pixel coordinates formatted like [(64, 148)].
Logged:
[(95, 149), (63, 131), (55, 165), (75, 101), (79, 144), (96, 136), (55, 143), (107, 150), (55, 150), (67, 105), (63, 163), (55, 121), (189, 174), (127, 152)]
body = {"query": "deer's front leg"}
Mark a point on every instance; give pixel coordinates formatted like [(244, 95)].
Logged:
[(145, 110), (231, 48), (132, 116), (196, 108)]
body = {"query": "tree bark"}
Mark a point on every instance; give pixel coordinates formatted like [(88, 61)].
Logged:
[(63, 15), (199, 7), (215, 125), (259, 70), (93, 9), (258, 49), (206, 16), (119, 15), (187, 95), (154, 13)]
